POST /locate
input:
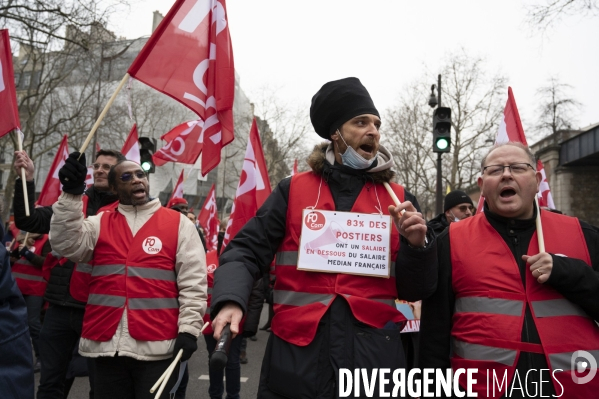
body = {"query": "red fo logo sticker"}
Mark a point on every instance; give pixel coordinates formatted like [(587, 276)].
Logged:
[(211, 268), (315, 220), (152, 245)]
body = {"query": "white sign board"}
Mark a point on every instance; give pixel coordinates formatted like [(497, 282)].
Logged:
[(345, 242)]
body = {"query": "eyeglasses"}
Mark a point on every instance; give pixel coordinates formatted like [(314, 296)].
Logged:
[(128, 176), (515, 169), (464, 208), (104, 166)]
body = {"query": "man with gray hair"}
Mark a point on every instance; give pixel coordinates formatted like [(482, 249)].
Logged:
[(507, 308)]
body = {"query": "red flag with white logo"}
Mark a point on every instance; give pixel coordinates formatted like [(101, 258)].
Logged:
[(182, 144), (510, 129), (178, 191), (190, 58), (253, 188), (294, 171), (9, 110), (131, 147), (52, 187), (208, 219), (89, 179)]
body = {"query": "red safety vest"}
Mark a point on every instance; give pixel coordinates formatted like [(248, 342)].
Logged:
[(79, 283), (136, 273), (490, 307), (301, 297), (30, 278)]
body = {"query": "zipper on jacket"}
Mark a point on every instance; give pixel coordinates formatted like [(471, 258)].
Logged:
[(126, 299)]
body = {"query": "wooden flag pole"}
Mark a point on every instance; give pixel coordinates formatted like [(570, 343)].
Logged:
[(23, 176), (540, 238), (104, 111), (392, 194)]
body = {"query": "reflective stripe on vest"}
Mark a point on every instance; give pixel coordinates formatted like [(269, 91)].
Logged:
[(293, 298), (506, 307), (108, 270), (28, 277), (154, 274), (84, 268), (483, 352), (565, 361), (113, 301), (557, 307), (153, 303)]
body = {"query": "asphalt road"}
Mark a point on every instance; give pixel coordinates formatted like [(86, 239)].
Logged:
[(198, 367)]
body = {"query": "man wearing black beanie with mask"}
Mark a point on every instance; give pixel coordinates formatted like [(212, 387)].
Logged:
[(334, 310)]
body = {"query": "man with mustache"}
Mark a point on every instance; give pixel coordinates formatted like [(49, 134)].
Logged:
[(66, 291), (326, 321), (502, 305), (147, 292)]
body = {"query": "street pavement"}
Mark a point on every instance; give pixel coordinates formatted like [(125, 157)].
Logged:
[(198, 367)]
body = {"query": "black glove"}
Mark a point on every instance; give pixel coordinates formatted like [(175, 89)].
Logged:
[(188, 343), (73, 173), (27, 254), (15, 253)]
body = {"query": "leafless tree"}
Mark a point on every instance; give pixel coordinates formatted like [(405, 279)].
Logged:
[(476, 99), (550, 12), (557, 109)]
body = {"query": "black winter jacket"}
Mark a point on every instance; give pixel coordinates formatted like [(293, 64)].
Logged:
[(57, 291), (438, 224)]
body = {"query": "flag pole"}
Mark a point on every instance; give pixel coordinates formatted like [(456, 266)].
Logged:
[(540, 238), (25, 196), (104, 111)]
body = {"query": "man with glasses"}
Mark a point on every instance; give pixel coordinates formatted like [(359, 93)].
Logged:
[(503, 306), (456, 206), (147, 292), (66, 291)]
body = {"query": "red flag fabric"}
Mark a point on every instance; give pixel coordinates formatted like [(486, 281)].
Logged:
[(52, 187), (131, 147), (208, 219), (89, 179), (190, 58), (97, 146), (294, 171), (253, 188), (182, 144), (544, 194), (178, 191), (9, 111), (510, 129)]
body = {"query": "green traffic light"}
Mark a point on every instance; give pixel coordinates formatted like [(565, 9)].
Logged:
[(146, 166), (442, 143)]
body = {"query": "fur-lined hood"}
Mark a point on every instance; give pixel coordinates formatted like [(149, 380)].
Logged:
[(324, 152)]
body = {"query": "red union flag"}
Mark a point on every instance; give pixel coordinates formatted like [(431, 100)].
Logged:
[(178, 191), (9, 111), (208, 219), (510, 129), (131, 147), (253, 188), (190, 58), (544, 194), (52, 187), (182, 144)]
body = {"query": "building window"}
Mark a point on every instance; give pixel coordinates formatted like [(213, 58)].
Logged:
[(26, 80)]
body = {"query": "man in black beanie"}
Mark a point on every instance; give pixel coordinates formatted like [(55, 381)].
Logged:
[(456, 206), (333, 313)]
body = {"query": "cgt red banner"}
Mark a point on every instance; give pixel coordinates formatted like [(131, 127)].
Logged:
[(9, 111)]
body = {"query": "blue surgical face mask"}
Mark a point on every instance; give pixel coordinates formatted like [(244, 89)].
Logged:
[(352, 159)]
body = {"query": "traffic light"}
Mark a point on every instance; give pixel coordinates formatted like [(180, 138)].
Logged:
[(442, 129), (146, 150)]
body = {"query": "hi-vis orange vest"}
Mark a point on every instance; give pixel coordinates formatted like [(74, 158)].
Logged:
[(29, 278), (490, 306), (301, 298), (79, 283), (136, 274)]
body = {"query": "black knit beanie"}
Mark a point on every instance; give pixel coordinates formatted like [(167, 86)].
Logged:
[(454, 198), (337, 102)]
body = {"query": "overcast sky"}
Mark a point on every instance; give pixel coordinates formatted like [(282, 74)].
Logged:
[(298, 46)]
